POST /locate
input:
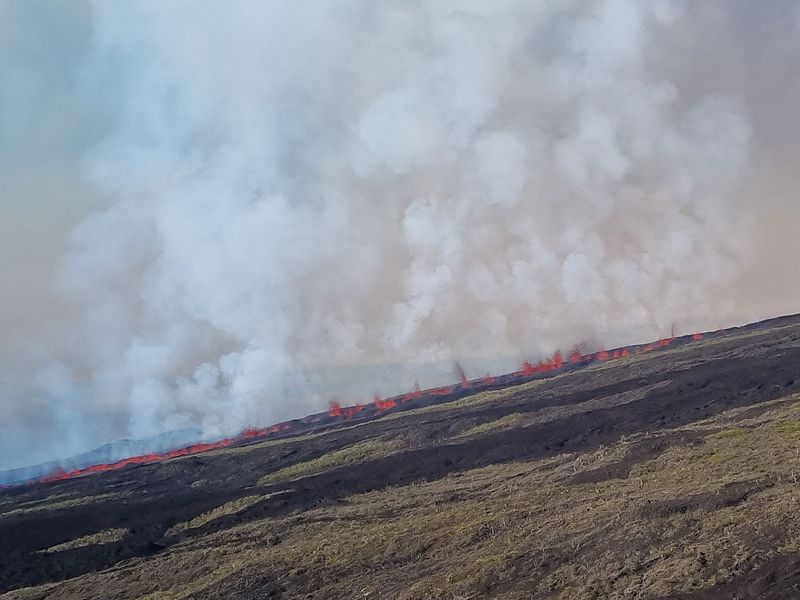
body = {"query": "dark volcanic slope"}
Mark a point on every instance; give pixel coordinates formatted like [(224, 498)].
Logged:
[(672, 474)]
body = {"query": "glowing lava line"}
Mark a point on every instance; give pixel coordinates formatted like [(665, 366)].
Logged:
[(417, 397)]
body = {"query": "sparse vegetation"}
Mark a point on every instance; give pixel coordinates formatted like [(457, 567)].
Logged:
[(788, 429), (500, 522), (38, 506), (592, 508), (107, 536), (501, 423), (720, 456), (733, 432), (346, 456), (229, 508)]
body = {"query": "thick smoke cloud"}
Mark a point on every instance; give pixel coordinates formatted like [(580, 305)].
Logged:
[(302, 190)]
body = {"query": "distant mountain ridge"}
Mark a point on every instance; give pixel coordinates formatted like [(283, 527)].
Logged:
[(107, 453)]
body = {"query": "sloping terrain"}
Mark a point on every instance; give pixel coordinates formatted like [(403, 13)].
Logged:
[(673, 474), (105, 454)]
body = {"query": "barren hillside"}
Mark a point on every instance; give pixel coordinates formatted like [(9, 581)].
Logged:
[(673, 474)]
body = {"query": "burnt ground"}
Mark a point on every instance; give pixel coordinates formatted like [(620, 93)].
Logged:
[(667, 475)]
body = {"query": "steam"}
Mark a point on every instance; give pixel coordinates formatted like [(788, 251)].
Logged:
[(304, 189)]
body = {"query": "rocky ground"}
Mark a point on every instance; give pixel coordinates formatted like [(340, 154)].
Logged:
[(674, 474)]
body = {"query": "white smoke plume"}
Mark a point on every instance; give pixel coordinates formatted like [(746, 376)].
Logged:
[(299, 189)]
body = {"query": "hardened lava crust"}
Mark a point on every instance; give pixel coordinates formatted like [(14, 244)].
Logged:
[(665, 474)]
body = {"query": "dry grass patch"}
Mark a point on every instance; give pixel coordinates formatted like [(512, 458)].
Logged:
[(229, 508), (788, 430), (346, 456), (107, 536), (60, 504), (732, 433), (501, 423)]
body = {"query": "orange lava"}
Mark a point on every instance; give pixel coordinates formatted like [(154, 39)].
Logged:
[(336, 411)]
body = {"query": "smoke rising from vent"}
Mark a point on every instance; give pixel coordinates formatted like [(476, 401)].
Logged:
[(299, 190)]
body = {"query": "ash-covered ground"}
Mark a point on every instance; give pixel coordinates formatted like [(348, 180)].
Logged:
[(672, 474)]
